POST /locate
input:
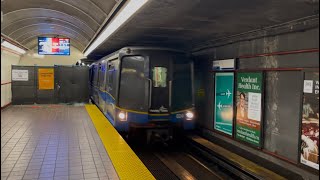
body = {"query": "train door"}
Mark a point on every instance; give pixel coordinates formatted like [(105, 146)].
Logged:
[(102, 90), (160, 77), (99, 93), (95, 84), (111, 87), (90, 82)]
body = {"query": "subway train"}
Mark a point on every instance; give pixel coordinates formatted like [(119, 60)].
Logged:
[(145, 88)]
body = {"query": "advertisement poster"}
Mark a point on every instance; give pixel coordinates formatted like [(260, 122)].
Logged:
[(53, 46), (310, 121), (20, 75), (249, 97), (46, 78), (223, 105)]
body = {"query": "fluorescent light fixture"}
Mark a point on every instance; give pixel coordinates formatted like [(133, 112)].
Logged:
[(12, 47), (36, 55), (125, 13)]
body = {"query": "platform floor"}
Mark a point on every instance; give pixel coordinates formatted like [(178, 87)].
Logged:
[(52, 142)]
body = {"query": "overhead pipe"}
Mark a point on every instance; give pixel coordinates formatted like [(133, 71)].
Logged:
[(280, 53), (8, 39)]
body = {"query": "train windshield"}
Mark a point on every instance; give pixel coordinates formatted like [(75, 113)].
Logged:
[(133, 84), (182, 85)]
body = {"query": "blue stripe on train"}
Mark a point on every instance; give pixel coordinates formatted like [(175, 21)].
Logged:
[(140, 118)]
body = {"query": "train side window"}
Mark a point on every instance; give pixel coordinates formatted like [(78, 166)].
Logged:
[(110, 76), (159, 77)]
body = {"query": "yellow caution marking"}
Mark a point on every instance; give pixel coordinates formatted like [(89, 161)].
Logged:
[(125, 161)]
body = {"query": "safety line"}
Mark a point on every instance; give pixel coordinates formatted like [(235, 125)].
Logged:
[(125, 161)]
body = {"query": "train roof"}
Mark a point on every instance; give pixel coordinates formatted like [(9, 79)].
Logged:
[(116, 53), (140, 48)]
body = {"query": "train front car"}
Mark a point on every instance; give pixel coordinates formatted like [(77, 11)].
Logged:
[(155, 91), (152, 90)]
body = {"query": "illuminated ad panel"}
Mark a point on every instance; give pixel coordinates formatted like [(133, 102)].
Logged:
[(53, 46)]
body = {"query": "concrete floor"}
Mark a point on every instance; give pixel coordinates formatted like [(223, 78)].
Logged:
[(52, 142)]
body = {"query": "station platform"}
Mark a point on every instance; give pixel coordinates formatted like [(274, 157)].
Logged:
[(64, 142)]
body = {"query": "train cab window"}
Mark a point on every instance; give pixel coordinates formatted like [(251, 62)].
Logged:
[(111, 88), (110, 75), (159, 77), (133, 84)]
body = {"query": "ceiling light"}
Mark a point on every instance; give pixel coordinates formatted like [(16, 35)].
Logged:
[(125, 13), (12, 47)]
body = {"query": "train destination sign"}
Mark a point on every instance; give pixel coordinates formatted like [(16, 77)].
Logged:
[(223, 102), (248, 117)]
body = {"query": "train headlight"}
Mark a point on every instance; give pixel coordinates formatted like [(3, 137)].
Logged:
[(122, 116), (189, 115)]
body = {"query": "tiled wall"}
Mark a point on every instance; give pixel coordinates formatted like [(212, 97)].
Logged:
[(7, 59)]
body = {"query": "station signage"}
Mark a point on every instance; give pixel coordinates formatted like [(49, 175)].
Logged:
[(19, 75), (223, 102), (248, 109), (310, 121), (225, 64), (46, 78)]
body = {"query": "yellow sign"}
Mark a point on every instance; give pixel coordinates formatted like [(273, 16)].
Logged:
[(46, 78)]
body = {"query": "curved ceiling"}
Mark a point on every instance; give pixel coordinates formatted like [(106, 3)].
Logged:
[(25, 20), (183, 24)]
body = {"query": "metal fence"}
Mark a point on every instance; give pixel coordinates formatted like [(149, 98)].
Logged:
[(63, 84)]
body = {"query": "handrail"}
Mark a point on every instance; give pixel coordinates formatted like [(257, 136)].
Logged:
[(150, 92), (170, 92), (6, 83)]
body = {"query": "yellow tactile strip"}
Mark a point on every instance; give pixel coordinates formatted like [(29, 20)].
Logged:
[(125, 161)]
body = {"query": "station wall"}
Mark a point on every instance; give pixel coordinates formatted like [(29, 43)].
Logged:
[(7, 59), (283, 95), (32, 58)]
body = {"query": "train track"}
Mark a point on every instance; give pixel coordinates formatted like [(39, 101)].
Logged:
[(187, 167), (181, 162)]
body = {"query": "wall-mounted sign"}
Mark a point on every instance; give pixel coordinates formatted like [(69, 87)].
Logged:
[(46, 78), (310, 121), (20, 75), (220, 65), (249, 97), (223, 105)]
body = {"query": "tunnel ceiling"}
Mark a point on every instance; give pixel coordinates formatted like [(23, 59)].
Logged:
[(79, 20), (183, 24)]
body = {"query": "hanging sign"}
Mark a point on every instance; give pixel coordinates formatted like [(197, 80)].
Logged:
[(249, 97), (20, 75), (46, 78), (226, 64), (310, 121), (223, 105)]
